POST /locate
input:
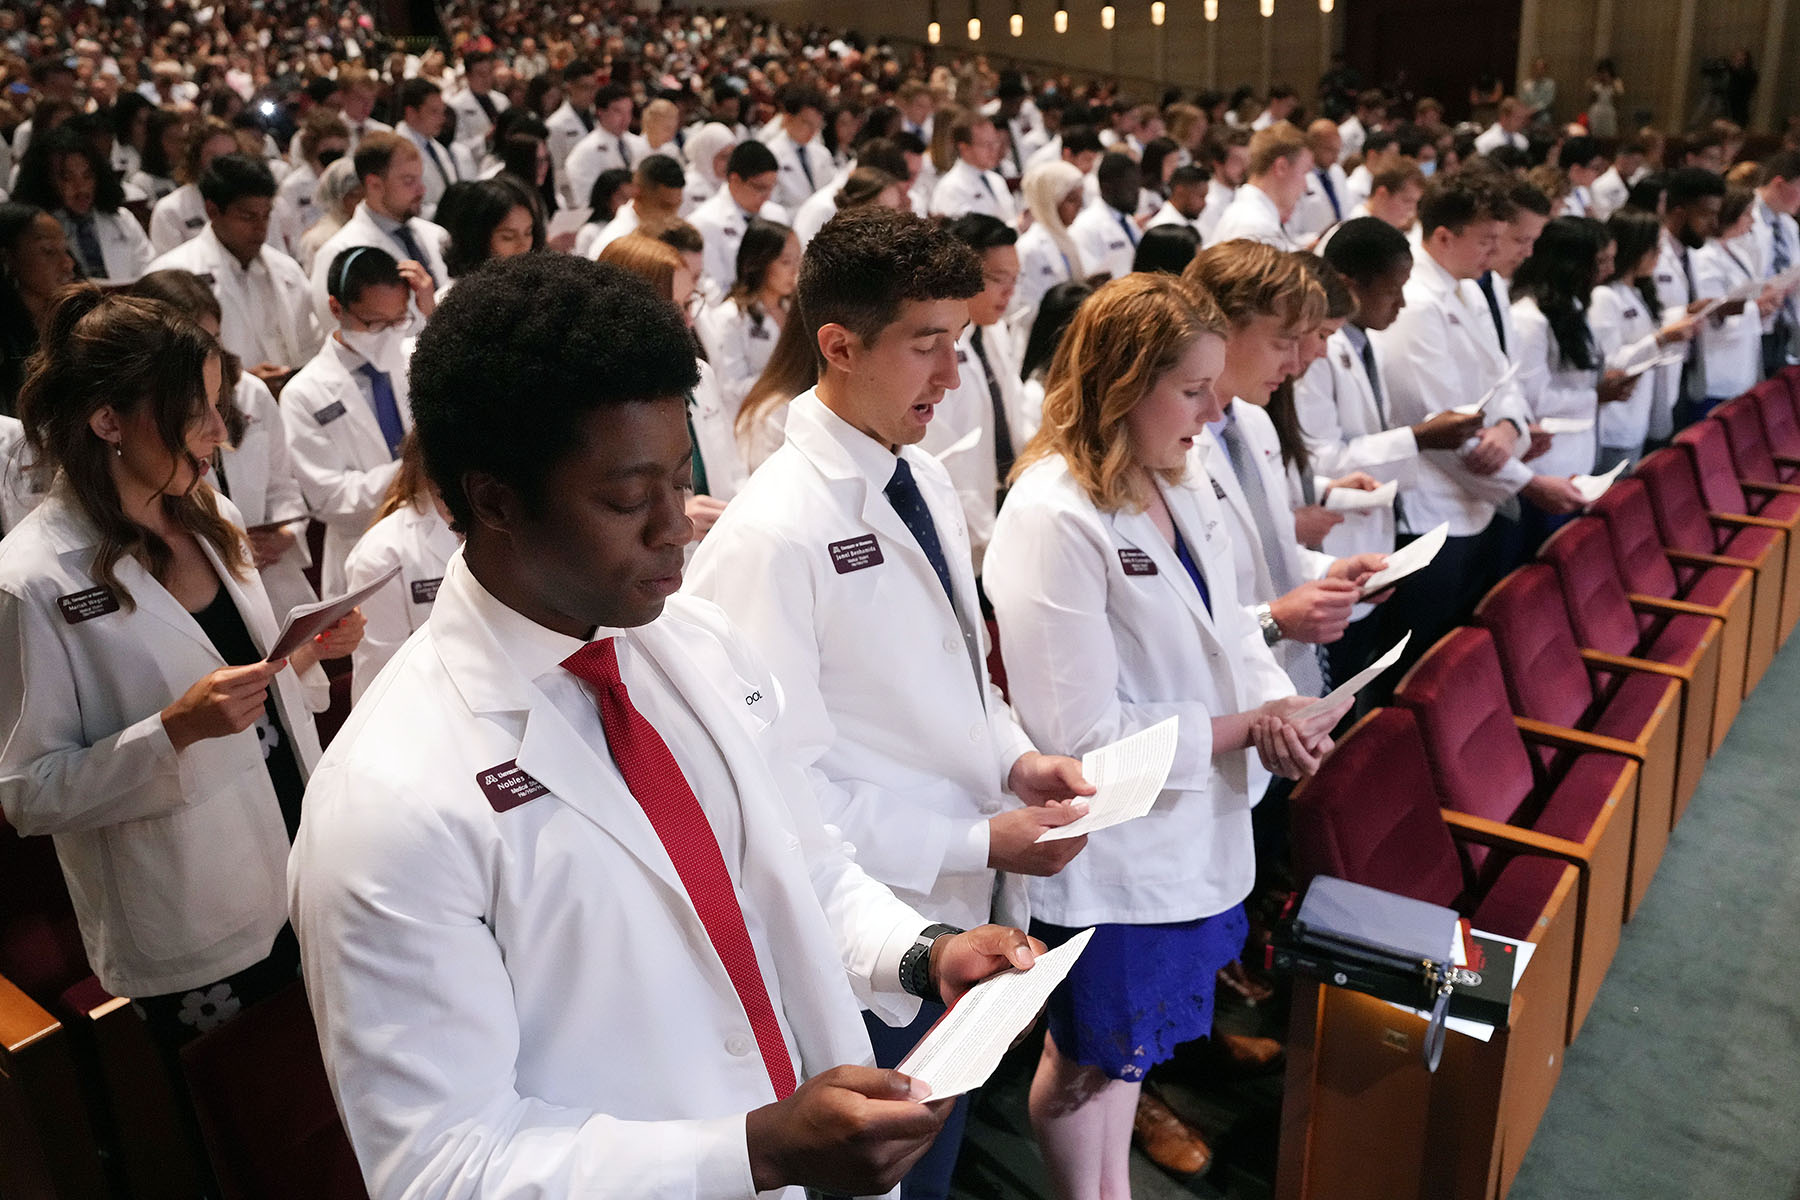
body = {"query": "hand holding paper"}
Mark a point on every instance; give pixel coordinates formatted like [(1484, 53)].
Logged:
[(308, 621), (1352, 500), (1348, 689), (1592, 487), (1411, 557), (1127, 776)]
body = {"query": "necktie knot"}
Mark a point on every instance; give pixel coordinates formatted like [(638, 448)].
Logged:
[(597, 665)]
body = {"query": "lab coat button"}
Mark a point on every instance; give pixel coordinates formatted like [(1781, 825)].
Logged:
[(952, 645), (739, 1045), (976, 732)]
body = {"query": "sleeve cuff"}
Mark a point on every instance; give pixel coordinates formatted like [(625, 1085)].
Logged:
[(886, 976), (967, 853)]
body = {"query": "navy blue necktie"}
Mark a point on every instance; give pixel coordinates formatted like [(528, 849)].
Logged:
[(405, 236), (1186, 559), (1331, 194), (387, 411), (806, 168), (1126, 225), (903, 493), (87, 240), (1487, 289)]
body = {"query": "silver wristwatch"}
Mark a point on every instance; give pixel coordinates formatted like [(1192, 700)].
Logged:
[(1271, 629)]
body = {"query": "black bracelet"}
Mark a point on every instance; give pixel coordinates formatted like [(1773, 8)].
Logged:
[(915, 964)]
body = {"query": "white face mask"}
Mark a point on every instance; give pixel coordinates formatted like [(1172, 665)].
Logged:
[(1428, 168), (381, 350)]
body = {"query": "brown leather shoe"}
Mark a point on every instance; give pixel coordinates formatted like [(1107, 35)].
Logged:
[(1251, 1052), (1171, 1143)]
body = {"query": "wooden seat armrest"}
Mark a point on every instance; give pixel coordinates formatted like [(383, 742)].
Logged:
[(1694, 559), (22, 1022), (1513, 837), (1785, 460), (1663, 604), (1769, 486), (1643, 666), (1577, 739), (1753, 522)]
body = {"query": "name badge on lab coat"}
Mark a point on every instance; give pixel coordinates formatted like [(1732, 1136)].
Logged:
[(506, 787), (855, 554), (1136, 562), (195, 222), (85, 606), (330, 412), (424, 591)]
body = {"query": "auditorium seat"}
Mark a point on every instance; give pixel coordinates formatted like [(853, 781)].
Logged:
[(1780, 422), (1560, 696), (1748, 441), (1731, 501), (1608, 627), (1694, 538), (1578, 806), (47, 1143), (265, 1106), (1360, 1114)]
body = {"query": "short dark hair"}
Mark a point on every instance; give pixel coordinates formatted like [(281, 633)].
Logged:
[(981, 233), (1188, 175), (233, 177), (1365, 248), (1688, 184), (1082, 139), (661, 170), (610, 94), (750, 159), (866, 262), (474, 58), (796, 97), (181, 290), (1782, 165), (884, 154), (1529, 197), (358, 268), (1167, 249), (1579, 152), (1114, 167), (1380, 139), (375, 153), (1454, 201), (414, 93), (521, 352)]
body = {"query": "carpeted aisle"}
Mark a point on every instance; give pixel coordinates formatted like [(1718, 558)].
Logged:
[(1685, 1081)]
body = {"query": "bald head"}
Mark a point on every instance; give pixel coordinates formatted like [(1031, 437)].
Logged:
[(1323, 140)]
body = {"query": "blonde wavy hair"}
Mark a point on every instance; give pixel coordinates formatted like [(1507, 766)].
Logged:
[(1123, 339), (1248, 280)]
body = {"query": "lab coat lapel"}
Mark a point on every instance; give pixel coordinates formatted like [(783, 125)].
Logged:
[(1138, 530), (356, 408), (255, 619), (1217, 465), (153, 599)]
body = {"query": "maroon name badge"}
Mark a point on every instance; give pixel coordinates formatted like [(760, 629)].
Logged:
[(85, 606), (1136, 562), (424, 591), (856, 554), (506, 787)]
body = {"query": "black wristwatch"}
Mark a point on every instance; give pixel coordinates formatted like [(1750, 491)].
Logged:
[(915, 964)]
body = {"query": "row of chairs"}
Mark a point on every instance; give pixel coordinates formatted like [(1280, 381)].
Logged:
[(1528, 774)]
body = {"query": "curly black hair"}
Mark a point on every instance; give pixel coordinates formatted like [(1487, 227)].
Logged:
[(521, 351), (866, 262)]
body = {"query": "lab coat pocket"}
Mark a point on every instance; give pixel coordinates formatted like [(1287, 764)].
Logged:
[(192, 878)]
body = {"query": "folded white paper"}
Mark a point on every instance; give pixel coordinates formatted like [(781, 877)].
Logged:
[(308, 621), (1505, 378), (1340, 499), (1127, 776), (1348, 689), (962, 1050), (1592, 487), (1409, 558), (1555, 425), (1666, 359)]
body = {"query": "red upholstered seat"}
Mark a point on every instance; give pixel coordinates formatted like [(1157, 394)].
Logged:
[(1580, 806), (1748, 442), (1771, 509), (40, 941)]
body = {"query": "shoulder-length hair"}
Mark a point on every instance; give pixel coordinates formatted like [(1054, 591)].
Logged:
[(134, 354), (1123, 339), (480, 208)]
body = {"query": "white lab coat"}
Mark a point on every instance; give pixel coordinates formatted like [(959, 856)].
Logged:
[(300, 192), (1733, 344), (1555, 389), (1439, 353), (177, 217), (1673, 292), (287, 333), (472, 123), (738, 344), (1252, 216), (361, 230), (21, 489), (340, 456), (820, 207), (1314, 213), (907, 742), (566, 128), (721, 224), (715, 437), (1625, 329), (1767, 225), (1494, 137), (1042, 265), (596, 152), (1608, 195), (961, 433), (965, 189), (173, 860), (1106, 238), (416, 540), (1168, 214), (1255, 583), (127, 252), (791, 183), (259, 477), (1096, 650), (440, 167), (531, 1004), (1219, 196)]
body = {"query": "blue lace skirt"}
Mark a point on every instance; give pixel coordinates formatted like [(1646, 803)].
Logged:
[(1138, 991)]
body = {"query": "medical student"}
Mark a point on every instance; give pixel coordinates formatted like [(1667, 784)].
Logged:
[(1226, 152), (388, 219), (1107, 230), (805, 164), (141, 727), (478, 103), (750, 176), (1280, 164), (1626, 319), (1732, 345), (974, 431), (1300, 598), (1326, 199), (266, 300), (422, 120), (1113, 585), (973, 184), (739, 332), (254, 468), (323, 139), (1048, 255), (574, 118), (70, 179), (182, 213), (864, 603), (1777, 239), (1186, 204), (588, 810), (347, 409), (412, 532), (609, 146), (1690, 215)]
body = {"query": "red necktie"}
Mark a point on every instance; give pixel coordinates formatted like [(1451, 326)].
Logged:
[(655, 779)]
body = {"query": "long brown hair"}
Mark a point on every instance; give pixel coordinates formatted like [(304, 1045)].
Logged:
[(127, 352), (793, 367), (410, 486), (1284, 415), (1123, 338)]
